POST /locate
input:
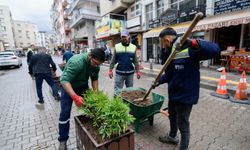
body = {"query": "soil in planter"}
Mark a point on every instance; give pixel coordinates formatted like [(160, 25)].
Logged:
[(88, 124), (133, 97), (93, 131)]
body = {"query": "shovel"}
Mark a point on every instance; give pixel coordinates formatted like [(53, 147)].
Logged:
[(196, 19)]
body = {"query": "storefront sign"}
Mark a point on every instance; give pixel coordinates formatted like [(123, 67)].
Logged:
[(225, 6), (156, 21), (169, 16), (116, 26), (107, 26), (102, 27)]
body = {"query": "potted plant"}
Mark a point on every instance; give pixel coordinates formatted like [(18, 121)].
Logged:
[(104, 123)]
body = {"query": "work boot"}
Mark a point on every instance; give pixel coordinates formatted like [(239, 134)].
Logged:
[(40, 105), (40, 101), (169, 139), (63, 145)]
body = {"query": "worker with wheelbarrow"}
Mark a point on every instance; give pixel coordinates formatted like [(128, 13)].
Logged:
[(183, 78)]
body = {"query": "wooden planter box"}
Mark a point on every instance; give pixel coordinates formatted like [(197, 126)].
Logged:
[(85, 141)]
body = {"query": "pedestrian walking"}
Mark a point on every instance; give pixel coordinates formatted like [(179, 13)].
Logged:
[(39, 66), (183, 78), (29, 54), (125, 60), (74, 81), (66, 56)]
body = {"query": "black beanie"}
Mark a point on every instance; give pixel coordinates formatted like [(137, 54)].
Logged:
[(98, 53), (167, 31)]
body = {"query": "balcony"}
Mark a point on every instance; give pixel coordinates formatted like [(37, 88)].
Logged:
[(76, 3), (128, 1), (81, 14), (114, 6), (134, 22)]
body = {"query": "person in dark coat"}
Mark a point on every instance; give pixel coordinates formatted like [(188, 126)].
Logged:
[(183, 78)]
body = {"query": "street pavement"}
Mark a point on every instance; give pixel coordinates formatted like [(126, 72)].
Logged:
[(216, 124)]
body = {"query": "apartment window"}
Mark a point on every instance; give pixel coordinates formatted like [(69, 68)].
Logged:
[(20, 37), (136, 9), (98, 9), (132, 9), (160, 8), (1, 11), (3, 28), (19, 31), (21, 43), (187, 6), (149, 13), (18, 24)]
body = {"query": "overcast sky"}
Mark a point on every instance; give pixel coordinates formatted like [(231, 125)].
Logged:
[(36, 11)]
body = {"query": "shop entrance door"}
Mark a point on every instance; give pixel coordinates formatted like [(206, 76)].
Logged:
[(228, 36)]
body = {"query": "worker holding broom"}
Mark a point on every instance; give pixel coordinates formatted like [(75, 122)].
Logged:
[(183, 78)]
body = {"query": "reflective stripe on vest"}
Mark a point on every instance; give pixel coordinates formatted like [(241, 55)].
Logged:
[(182, 54), (120, 48)]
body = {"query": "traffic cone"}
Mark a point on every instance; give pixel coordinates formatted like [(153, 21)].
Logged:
[(221, 91), (241, 93)]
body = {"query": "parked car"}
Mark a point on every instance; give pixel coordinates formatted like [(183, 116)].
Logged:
[(8, 59), (17, 52)]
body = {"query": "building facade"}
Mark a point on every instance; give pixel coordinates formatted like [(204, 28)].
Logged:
[(26, 33), (60, 21), (225, 22), (6, 29), (83, 14), (46, 39)]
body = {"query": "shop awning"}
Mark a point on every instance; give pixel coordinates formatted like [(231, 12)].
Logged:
[(218, 21), (224, 20), (180, 29)]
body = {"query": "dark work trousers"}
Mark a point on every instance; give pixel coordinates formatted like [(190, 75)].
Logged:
[(179, 119), (66, 104), (39, 81)]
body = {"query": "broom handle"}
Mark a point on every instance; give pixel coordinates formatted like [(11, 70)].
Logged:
[(197, 18)]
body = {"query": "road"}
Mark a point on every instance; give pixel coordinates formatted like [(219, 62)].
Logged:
[(215, 123)]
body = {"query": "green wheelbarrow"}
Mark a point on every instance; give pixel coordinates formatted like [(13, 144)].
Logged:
[(144, 112)]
